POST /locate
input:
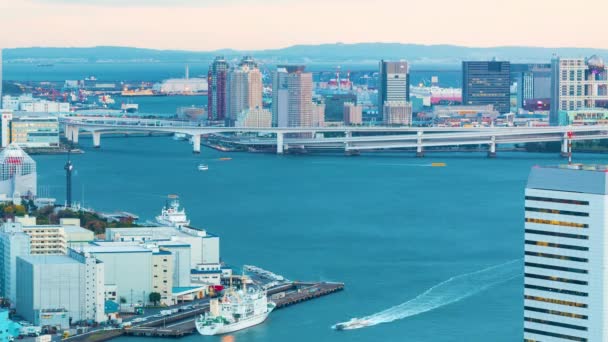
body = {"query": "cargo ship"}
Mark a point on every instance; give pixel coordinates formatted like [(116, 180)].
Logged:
[(236, 310)]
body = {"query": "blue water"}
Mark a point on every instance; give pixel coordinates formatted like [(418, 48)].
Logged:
[(387, 225), (155, 72)]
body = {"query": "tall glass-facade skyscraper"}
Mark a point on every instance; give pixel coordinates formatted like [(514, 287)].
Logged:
[(217, 82), (487, 83)]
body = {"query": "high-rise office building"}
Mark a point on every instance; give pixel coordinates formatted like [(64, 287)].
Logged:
[(244, 89), (292, 97), (216, 98), (533, 82), (394, 83), (334, 105), (565, 273), (577, 83), (486, 83), (318, 114)]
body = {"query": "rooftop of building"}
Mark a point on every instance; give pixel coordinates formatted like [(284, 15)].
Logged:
[(49, 259), (581, 178), (98, 249)]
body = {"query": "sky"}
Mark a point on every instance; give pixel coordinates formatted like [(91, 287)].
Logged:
[(203, 25)]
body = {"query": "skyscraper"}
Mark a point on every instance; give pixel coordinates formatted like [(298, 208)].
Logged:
[(577, 83), (566, 278), (486, 83), (244, 88), (292, 97), (533, 82), (353, 114), (397, 113), (216, 81), (394, 83)]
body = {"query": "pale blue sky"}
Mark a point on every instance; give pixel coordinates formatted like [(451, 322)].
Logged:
[(259, 24)]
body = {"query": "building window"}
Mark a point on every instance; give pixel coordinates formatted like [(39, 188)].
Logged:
[(546, 333), (555, 312), (555, 256), (557, 223), (554, 290), (559, 212), (571, 236), (556, 268), (550, 278), (555, 301), (557, 324), (556, 200)]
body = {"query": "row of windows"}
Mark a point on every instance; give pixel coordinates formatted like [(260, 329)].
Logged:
[(557, 324), (555, 245), (557, 268), (563, 280), (559, 212), (555, 256), (552, 289), (546, 333), (557, 223), (555, 301), (556, 200), (555, 312), (570, 236)]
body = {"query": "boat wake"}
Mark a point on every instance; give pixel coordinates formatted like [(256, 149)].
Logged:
[(450, 291)]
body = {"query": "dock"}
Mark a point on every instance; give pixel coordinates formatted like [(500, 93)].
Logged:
[(284, 295)]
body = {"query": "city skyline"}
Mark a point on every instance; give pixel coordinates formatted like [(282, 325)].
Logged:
[(162, 24)]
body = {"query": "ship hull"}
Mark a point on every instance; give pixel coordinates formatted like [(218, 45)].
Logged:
[(219, 329)]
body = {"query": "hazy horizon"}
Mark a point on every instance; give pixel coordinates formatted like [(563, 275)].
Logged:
[(205, 25)]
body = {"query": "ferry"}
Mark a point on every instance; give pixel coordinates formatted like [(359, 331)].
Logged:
[(172, 215), (225, 158), (236, 310), (203, 167)]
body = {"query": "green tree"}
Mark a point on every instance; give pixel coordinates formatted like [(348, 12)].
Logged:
[(154, 297)]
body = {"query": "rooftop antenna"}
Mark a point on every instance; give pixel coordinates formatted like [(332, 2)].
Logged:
[(68, 175)]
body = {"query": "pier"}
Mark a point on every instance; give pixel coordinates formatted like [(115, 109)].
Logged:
[(182, 324)]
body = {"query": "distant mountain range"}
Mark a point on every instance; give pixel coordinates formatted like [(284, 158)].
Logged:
[(362, 53)]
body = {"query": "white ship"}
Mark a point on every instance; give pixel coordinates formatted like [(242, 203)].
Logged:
[(236, 310), (172, 215), (203, 167)]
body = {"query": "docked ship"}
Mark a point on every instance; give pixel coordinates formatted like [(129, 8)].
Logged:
[(172, 215), (236, 310), (129, 108)]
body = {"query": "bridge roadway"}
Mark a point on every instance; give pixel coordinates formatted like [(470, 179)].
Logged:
[(351, 139)]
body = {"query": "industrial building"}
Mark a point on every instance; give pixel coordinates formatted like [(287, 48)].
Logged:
[(577, 83), (565, 283), (53, 290), (13, 244), (185, 86), (27, 103)]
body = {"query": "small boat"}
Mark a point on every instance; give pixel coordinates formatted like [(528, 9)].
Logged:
[(203, 167), (355, 323), (439, 164), (225, 158)]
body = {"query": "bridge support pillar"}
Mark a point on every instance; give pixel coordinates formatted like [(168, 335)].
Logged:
[(280, 143), (419, 150), (74, 133), (492, 151), (564, 152), (96, 139), (196, 143)]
